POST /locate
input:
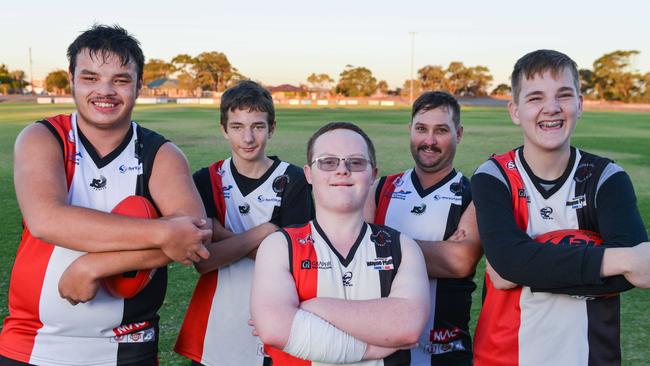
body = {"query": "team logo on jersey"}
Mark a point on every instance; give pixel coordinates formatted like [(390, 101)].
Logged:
[(280, 183), (263, 199), (98, 184), (511, 165), (381, 264), (381, 238), (226, 191), (71, 136), (400, 195), (127, 169), (456, 188), (307, 240), (583, 172), (307, 264), (347, 279), (398, 181), (221, 172), (577, 202), (244, 209), (419, 210), (546, 213)]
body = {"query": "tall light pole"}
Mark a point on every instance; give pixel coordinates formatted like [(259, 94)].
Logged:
[(31, 70), (412, 64)]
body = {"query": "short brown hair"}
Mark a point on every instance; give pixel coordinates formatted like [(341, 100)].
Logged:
[(536, 63), (247, 95), (434, 99), (341, 126)]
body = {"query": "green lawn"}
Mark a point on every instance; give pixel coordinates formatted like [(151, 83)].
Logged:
[(624, 137)]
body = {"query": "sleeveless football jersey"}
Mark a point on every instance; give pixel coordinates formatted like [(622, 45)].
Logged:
[(44, 329), (523, 326), (215, 330), (433, 215), (319, 270)]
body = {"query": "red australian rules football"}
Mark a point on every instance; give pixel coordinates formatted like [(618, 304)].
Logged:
[(128, 284), (571, 237)]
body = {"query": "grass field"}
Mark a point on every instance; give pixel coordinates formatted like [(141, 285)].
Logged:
[(621, 136)]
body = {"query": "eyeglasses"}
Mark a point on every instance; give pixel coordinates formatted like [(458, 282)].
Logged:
[(331, 163)]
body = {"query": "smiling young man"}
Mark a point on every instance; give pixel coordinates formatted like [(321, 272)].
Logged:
[(251, 195), (338, 290), (69, 172), (548, 304), (430, 203)]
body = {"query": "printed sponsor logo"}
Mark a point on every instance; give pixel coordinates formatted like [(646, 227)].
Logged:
[(221, 172), (98, 184), (577, 202), (381, 238), (143, 336), (438, 197), (419, 210), (307, 264), (244, 209), (400, 195), (307, 240), (381, 264), (398, 182), (583, 172), (226, 191), (263, 199), (347, 279), (280, 183), (511, 165), (128, 169), (128, 328), (546, 213), (570, 240)]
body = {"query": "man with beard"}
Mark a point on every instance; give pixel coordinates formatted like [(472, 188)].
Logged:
[(432, 204)]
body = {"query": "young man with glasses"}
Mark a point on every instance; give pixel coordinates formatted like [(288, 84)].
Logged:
[(251, 195), (339, 290), (431, 203)]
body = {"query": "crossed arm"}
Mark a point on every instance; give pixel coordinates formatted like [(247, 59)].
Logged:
[(455, 257), (616, 266), (125, 243), (274, 303)]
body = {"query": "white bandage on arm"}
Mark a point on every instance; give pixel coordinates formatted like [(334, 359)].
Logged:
[(313, 338)]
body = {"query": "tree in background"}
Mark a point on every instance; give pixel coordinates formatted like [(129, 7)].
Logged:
[(382, 87), (213, 71), (431, 78), (356, 82), (456, 79), (613, 79), (57, 82), (156, 69), (320, 84), (501, 90), (405, 91), (11, 81)]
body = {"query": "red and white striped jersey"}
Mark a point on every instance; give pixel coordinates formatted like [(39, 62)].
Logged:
[(44, 329), (319, 270)]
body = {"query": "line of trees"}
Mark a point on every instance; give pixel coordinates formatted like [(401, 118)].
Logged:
[(611, 78), (11, 81)]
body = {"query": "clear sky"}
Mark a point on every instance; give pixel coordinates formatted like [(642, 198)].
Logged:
[(284, 41)]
